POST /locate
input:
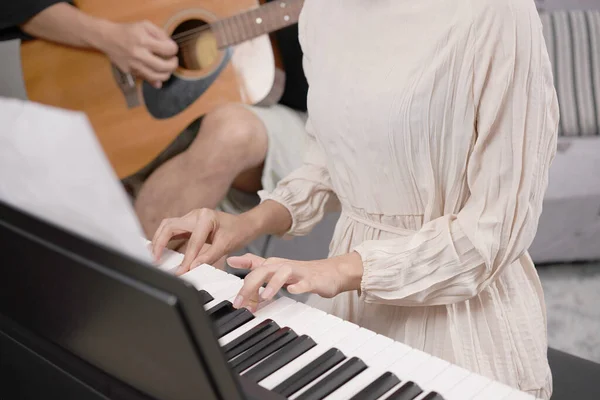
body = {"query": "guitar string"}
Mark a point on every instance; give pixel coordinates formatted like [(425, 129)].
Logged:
[(192, 33)]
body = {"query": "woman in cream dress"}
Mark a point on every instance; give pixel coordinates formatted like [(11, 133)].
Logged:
[(432, 126)]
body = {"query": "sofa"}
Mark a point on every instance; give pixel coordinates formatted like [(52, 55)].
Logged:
[(569, 227)]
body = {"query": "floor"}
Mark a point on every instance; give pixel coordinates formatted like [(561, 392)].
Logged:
[(572, 294)]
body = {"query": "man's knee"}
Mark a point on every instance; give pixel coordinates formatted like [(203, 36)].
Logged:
[(234, 128)]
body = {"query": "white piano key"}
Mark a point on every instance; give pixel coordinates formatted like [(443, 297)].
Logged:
[(377, 366), (220, 293), (268, 312), (405, 367), (291, 318), (324, 325), (494, 391), (467, 388), (170, 261), (326, 342), (374, 346), (203, 276), (519, 395), (445, 381), (305, 322), (197, 275), (429, 370)]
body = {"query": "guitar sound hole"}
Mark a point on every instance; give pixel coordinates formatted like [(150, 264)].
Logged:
[(197, 45)]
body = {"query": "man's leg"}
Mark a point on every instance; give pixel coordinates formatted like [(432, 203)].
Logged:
[(230, 149)]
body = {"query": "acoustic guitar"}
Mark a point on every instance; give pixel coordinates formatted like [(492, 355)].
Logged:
[(225, 55)]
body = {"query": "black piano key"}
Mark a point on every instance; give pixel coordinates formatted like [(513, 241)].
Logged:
[(223, 308), (205, 297), (250, 338), (310, 372), (262, 349), (244, 317), (228, 317), (263, 353), (433, 396), (378, 387), (294, 349), (335, 380), (408, 391)]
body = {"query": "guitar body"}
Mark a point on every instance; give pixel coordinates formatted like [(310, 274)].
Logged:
[(134, 125)]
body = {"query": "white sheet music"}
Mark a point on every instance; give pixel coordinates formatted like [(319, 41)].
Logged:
[(52, 166)]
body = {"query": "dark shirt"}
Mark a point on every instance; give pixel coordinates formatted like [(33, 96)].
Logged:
[(15, 13), (296, 87)]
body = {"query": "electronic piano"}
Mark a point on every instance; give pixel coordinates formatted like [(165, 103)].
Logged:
[(83, 321), (300, 352)]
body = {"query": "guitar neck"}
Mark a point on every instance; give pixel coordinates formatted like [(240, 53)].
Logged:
[(265, 19)]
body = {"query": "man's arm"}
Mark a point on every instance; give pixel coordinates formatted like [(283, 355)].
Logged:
[(140, 48), (64, 24)]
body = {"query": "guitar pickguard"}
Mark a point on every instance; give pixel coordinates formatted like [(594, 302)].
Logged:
[(177, 94)]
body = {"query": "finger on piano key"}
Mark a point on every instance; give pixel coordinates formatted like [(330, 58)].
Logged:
[(293, 371), (379, 363), (169, 261), (349, 347)]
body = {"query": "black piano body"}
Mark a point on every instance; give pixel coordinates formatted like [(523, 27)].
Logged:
[(81, 321)]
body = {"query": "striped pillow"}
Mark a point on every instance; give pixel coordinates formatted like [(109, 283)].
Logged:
[(573, 42)]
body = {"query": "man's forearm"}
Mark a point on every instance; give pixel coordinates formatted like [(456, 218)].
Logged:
[(62, 23)]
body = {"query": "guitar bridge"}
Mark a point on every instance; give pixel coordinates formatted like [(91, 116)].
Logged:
[(126, 82)]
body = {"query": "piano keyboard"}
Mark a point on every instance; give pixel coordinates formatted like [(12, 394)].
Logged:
[(302, 353)]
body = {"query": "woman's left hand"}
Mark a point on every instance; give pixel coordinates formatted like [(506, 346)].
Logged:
[(327, 278)]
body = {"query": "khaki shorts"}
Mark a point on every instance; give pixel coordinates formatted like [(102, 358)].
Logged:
[(287, 143)]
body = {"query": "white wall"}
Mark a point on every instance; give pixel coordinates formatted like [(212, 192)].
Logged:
[(569, 4)]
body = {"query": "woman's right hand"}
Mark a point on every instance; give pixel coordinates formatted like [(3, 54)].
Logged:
[(224, 232)]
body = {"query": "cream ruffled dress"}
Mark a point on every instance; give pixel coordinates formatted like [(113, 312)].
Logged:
[(432, 126)]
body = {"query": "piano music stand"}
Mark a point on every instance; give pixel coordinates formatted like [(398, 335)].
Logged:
[(81, 321)]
